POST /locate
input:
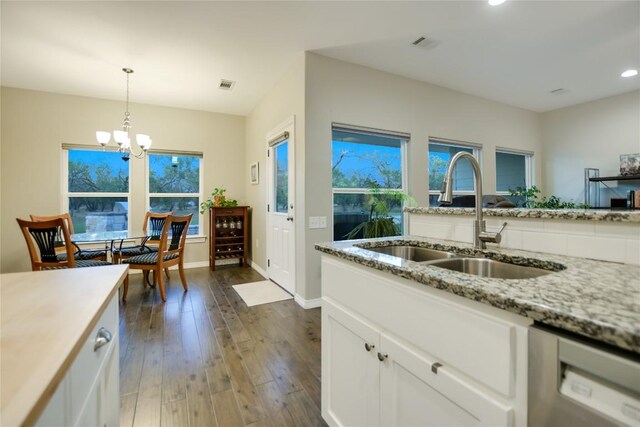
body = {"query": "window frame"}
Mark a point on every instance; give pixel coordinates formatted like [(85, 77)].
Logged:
[(66, 194), (149, 195), (476, 151), (528, 165), (404, 139)]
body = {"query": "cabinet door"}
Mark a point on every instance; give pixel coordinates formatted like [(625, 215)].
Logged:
[(350, 372), (110, 407), (413, 395)]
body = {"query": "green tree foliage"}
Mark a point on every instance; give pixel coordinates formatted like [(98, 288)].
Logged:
[(437, 169), (168, 177)]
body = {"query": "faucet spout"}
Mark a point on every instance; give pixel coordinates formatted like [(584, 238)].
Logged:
[(446, 194)]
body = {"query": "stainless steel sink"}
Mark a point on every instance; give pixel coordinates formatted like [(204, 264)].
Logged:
[(489, 268), (413, 253)]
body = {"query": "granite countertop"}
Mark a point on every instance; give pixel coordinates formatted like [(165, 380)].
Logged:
[(597, 299), (580, 214)]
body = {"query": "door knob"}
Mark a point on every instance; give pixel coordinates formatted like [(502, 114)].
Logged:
[(368, 346), (382, 356)]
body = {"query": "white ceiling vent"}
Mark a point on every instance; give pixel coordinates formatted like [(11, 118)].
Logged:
[(559, 91), (226, 84), (424, 43)]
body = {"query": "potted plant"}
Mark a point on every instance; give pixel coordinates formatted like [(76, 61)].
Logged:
[(217, 199), (380, 223)]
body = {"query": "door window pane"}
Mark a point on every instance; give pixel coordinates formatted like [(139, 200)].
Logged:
[(92, 171), (281, 161), (179, 206), (439, 157), (96, 214)]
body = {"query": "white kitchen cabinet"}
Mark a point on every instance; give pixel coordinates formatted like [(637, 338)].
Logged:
[(89, 394), (351, 384), (436, 361)]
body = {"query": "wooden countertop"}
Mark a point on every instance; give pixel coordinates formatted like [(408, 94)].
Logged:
[(45, 317)]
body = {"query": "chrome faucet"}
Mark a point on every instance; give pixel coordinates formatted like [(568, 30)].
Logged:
[(480, 233)]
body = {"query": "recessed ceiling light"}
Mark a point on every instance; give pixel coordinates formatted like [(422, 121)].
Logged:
[(496, 2), (629, 73)]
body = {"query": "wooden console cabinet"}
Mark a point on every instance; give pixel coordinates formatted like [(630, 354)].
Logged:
[(228, 234)]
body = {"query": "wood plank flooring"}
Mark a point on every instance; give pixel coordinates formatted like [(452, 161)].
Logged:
[(204, 358)]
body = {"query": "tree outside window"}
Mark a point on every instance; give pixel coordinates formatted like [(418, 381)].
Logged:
[(174, 186), (362, 165)]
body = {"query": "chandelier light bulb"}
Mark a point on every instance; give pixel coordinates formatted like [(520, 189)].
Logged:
[(120, 136), (496, 2), (629, 73), (103, 137)]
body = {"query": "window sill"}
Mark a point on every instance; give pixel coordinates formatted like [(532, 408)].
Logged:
[(196, 239)]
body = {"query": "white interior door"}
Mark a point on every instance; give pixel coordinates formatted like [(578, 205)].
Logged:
[(280, 207)]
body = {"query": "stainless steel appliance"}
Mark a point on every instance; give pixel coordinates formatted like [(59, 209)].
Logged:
[(576, 382)]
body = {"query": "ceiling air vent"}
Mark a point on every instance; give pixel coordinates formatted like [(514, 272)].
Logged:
[(226, 84), (559, 91), (424, 43)]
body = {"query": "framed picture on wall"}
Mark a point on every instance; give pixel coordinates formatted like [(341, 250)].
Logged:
[(254, 173)]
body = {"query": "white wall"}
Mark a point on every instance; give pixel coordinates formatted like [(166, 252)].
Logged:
[(590, 135), (337, 91), (284, 100), (34, 125)]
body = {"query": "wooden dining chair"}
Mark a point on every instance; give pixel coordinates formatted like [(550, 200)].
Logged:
[(152, 227), (170, 252), (79, 254), (42, 239)]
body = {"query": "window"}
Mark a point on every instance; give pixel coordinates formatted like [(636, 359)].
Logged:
[(513, 169), (96, 191), (366, 163), (440, 153), (175, 185)]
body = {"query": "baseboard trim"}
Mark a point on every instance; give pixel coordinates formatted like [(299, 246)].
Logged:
[(307, 303), (259, 269)]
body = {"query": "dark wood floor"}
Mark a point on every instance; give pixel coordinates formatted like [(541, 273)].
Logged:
[(204, 358)]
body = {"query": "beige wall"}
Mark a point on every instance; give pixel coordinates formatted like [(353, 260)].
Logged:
[(284, 100), (35, 124), (337, 91), (589, 135)]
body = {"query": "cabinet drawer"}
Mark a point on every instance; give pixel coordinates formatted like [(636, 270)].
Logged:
[(470, 341), (229, 211), (88, 363), (414, 395)]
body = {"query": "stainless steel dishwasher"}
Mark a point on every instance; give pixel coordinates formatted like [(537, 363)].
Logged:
[(576, 382)]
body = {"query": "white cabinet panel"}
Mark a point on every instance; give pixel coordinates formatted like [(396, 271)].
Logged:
[(350, 384), (414, 395)]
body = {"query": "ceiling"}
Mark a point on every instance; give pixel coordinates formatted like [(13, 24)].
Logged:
[(515, 53)]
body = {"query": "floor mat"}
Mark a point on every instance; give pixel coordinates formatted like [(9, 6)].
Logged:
[(263, 292)]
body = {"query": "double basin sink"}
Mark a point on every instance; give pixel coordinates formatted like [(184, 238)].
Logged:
[(482, 267)]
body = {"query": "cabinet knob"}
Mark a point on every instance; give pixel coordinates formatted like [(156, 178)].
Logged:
[(382, 356), (368, 346), (103, 337), (435, 366)]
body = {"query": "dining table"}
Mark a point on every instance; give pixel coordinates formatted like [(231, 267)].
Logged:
[(111, 239)]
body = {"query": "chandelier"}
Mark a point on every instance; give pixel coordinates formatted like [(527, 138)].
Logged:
[(122, 136)]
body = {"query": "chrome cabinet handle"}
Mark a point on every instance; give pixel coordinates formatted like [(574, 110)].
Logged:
[(368, 346), (435, 366), (382, 356), (103, 337), (289, 218)]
